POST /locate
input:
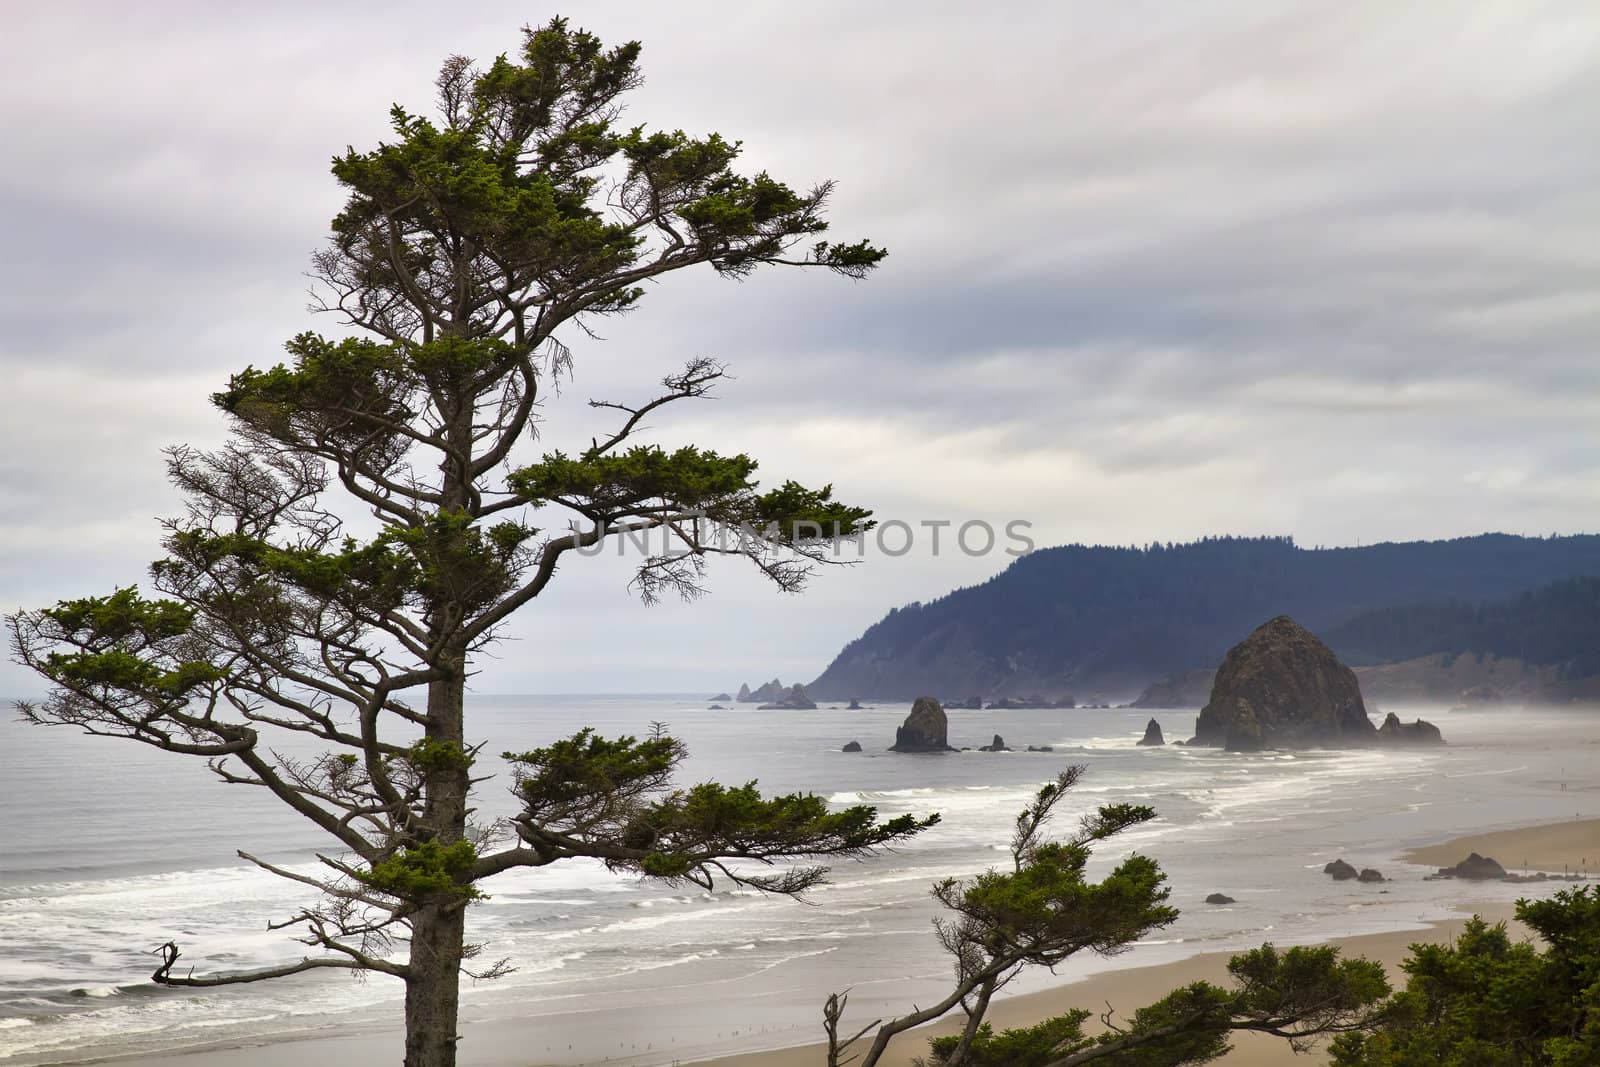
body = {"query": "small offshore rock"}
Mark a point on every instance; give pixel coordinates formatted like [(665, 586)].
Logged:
[(855, 705), (1421, 732), (1041, 748), (1219, 898), (926, 729), (997, 745), (1152, 734), (852, 746), (1369, 875), (1341, 871), (1476, 867)]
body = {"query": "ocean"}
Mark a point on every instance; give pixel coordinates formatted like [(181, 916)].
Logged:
[(108, 849)]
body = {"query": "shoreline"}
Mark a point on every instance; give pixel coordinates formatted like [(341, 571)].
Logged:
[(503, 1041), (1572, 846)]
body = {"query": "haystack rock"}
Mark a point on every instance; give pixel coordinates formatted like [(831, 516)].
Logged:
[(926, 729), (1152, 734), (1421, 732), (1281, 687), (745, 696)]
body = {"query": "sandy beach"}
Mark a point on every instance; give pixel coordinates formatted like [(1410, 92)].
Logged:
[(1135, 987), (1556, 847)]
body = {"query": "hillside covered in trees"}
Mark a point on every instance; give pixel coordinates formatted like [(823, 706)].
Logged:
[(1556, 625), (1100, 623)]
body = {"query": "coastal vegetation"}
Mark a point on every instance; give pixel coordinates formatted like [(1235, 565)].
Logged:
[(1488, 1001), (1045, 909), (472, 246)]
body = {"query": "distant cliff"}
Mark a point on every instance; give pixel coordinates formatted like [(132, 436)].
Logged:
[(1103, 623)]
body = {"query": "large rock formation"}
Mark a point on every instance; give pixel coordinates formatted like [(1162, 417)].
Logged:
[(1421, 732), (768, 693), (792, 699), (1281, 687), (926, 729), (1152, 734)]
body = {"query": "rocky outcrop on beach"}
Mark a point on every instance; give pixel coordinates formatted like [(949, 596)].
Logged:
[(997, 745), (926, 729), (1282, 687), (851, 746), (1421, 732), (1152, 734), (1475, 867), (1219, 898), (1368, 874), (1341, 871), (791, 699), (855, 705)]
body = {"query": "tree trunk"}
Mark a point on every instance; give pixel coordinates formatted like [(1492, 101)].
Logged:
[(433, 989), (438, 930)]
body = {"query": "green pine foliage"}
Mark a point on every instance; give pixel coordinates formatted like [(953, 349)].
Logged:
[(1487, 1001)]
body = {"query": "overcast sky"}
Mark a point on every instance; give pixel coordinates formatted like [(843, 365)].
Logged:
[(1157, 271)]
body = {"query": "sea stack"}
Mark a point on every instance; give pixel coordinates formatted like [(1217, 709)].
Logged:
[(1152, 734), (1421, 732), (926, 729), (1281, 688)]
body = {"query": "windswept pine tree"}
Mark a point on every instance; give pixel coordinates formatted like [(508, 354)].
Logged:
[(471, 245)]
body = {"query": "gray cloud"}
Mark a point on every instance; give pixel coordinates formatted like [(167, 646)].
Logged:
[(1155, 273)]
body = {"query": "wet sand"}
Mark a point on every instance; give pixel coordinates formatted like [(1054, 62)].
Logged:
[(1556, 847)]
